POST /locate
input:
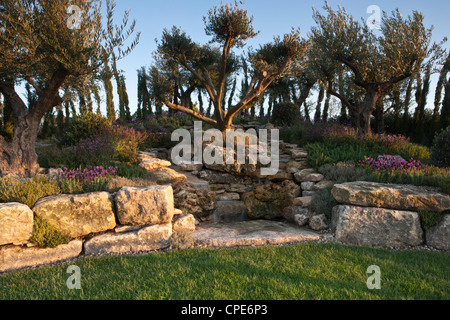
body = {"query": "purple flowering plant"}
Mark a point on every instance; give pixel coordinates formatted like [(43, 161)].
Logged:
[(393, 168), (91, 178)]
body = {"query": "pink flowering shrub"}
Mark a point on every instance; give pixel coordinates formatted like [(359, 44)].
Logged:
[(126, 142)]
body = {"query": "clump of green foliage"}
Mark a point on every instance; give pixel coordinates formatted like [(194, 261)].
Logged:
[(432, 177), (429, 219), (27, 192), (343, 172), (329, 152), (323, 202), (440, 151), (86, 126), (127, 142), (130, 171), (46, 236), (285, 114)]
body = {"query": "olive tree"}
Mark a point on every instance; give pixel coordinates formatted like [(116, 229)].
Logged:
[(46, 43), (230, 27), (341, 44)]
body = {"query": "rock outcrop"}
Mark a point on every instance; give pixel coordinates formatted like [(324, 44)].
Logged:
[(376, 226), (391, 196)]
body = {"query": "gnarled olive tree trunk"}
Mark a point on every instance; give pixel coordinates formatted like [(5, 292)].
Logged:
[(18, 156)]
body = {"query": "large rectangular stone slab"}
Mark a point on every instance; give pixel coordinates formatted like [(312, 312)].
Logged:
[(439, 236), (146, 239), (376, 227), (145, 206), (16, 257), (252, 233), (391, 196), (16, 223), (78, 215)]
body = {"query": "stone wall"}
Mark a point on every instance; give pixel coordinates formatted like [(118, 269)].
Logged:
[(377, 214), (141, 219), (130, 220)]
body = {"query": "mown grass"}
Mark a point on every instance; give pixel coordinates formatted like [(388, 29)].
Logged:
[(304, 271)]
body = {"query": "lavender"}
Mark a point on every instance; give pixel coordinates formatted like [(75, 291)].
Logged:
[(386, 164), (89, 174), (96, 150)]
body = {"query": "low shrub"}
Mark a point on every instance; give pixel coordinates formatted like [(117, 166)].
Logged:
[(85, 126), (344, 172), (158, 140), (98, 151), (27, 192), (392, 165), (127, 142), (130, 171), (285, 114), (440, 151), (46, 236), (323, 153), (165, 122), (429, 219), (323, 202)]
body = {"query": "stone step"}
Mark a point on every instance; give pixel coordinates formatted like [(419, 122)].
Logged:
[(253, 233)]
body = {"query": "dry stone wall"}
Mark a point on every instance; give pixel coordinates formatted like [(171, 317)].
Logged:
[(131, 220), (377, 214), (146, 218)]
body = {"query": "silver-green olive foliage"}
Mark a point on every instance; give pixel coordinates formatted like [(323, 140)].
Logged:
[(340, 44), (38, 38), (47, 44), (230, 27)]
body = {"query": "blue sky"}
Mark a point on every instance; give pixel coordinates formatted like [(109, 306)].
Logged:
[(271, 17)]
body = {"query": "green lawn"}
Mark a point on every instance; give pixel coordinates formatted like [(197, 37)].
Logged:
[(304, 271)]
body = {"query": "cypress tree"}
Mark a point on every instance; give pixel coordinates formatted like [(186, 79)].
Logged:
[(326, 107), (83, 106), (60, 121), (442, 82), (110, 110), (319, 104), (200, 101), (408, 94), (421, 99), (8, 119), (233, 90), (445, 112)]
